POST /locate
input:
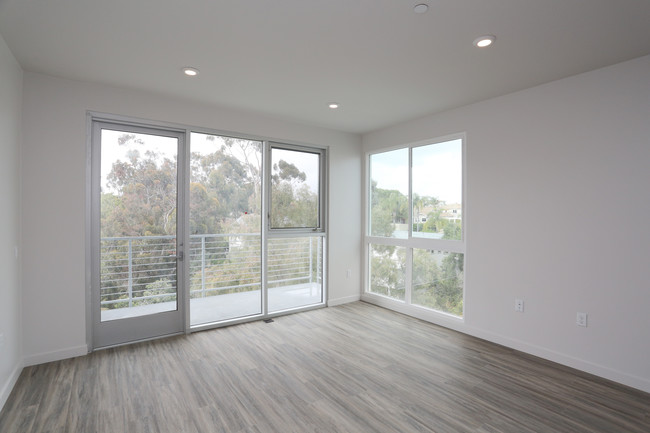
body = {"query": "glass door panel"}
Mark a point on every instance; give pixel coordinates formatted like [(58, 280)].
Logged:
[(137, 252), (225, 228), (295, 272), (295, 247)]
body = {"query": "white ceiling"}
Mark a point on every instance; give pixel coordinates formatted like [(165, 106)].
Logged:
[(289, 58)]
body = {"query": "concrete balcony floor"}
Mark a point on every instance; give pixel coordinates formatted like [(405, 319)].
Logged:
[(229, 306)]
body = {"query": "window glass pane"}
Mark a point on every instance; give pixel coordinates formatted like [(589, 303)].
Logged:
[(295, 189), (225, 228), (389, 184), (137, 224), (295, 272), (438, 280), (387, 270), (438, 190)]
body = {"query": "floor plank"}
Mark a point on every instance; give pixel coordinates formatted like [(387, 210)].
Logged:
[(351, 368)]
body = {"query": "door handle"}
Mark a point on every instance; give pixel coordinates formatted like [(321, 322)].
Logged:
[(178, 256)]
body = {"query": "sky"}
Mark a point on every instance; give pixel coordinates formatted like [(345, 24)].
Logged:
[(167, 147), (308, 163), (112, 151), (437, 170)]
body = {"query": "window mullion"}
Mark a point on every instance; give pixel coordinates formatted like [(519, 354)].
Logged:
[(408, 278)]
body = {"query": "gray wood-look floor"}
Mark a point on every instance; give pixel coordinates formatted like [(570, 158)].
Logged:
[(352, 368)]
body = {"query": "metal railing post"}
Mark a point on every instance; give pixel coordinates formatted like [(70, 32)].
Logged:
[(203, 266), (310, 261), (130, 262)]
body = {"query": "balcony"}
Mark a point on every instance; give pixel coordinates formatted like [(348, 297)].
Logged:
[(138, 275)]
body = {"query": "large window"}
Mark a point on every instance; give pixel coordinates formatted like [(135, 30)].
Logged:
[(415, 238)]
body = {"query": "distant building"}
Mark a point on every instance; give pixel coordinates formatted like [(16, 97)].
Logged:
[(452, 212)]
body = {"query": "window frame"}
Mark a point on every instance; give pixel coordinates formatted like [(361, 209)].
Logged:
[(184, 158), (410, 243), (321, 227)]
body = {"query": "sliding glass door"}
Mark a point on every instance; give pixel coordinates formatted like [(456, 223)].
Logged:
[(225, 228), (196, 233)]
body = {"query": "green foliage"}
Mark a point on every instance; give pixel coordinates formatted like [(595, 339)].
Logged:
[(230, 267), (387, 208), (452, 230), (388, 271), (435, 223), (438, 281), (284, 171), (419, 203), (293, 204), (142, 197), (224, 185), (225, 198), (162, 290)]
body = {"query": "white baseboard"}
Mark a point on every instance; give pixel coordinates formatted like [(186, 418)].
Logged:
[(459, 325), (344, 300), (9, 385), (639, 383), (57, 355), (441, 319)]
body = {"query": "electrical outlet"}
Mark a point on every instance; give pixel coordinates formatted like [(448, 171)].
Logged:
[(348, 273), (519, 305), (581, 319)]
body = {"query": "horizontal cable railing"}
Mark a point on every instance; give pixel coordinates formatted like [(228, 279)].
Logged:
[(142, 270)]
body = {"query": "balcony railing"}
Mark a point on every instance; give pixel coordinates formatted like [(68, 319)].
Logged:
[(138, 271)]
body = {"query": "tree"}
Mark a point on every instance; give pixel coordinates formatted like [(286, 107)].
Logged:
[(141, 200), (293, 203), (139, 203), (388, 269), (381, 222), (452, 230), (225, 204), (438, 280), (138, 206), (420, 202), (388, 207)]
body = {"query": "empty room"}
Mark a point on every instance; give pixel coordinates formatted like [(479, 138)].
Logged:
[(337, 216)]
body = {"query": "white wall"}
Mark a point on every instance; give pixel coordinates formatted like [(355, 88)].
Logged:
[(54, 161), (11, 85), (558, 214)]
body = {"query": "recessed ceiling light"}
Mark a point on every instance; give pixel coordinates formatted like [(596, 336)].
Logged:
[(484, 41), (421, 8), (191, 72), (333, 105)]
